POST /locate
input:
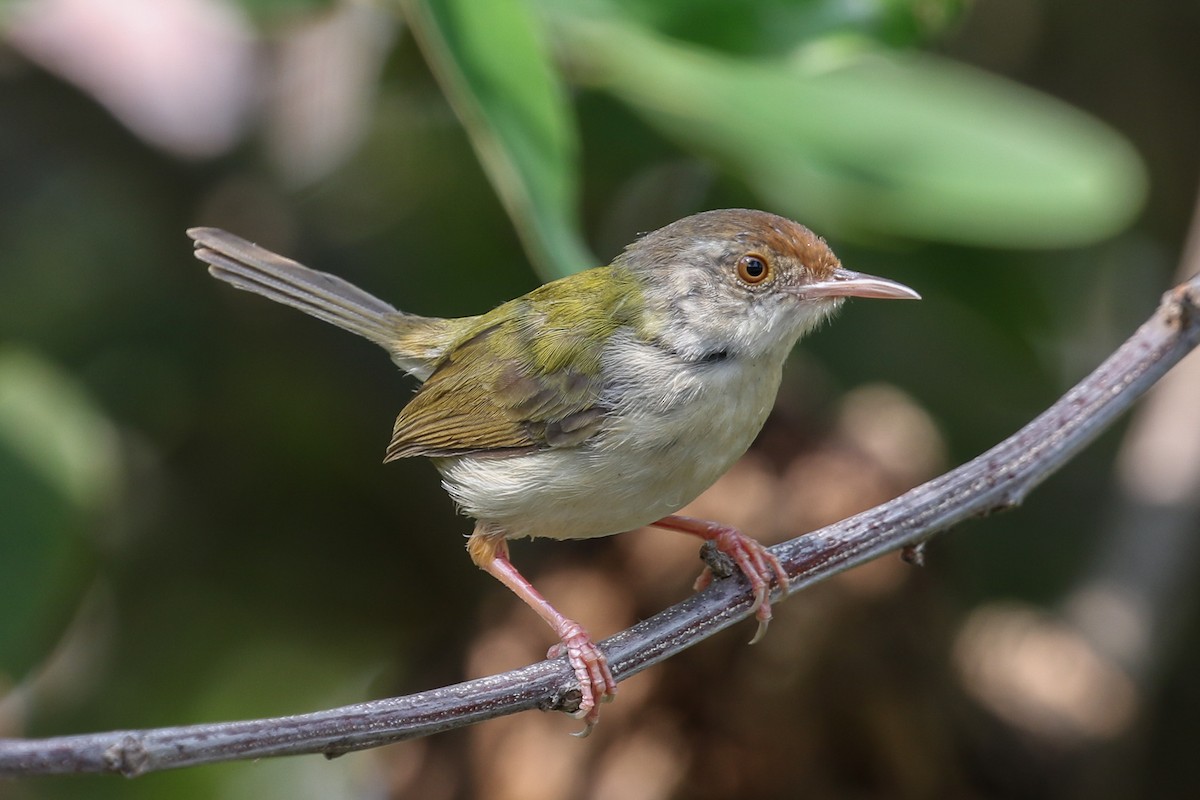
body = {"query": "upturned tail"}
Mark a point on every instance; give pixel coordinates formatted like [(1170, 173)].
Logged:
[(414, 342)]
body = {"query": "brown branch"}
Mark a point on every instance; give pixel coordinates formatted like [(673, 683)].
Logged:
[(996, 480)]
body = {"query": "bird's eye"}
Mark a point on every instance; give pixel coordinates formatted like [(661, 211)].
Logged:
[(753, 269)]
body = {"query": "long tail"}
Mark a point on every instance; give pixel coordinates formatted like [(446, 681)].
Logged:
[(324, 296), (413, 341)]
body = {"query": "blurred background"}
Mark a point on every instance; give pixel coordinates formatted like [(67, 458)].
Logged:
[(194, 521)]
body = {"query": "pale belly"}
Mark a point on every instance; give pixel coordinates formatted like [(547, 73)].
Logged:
[(656, 456)]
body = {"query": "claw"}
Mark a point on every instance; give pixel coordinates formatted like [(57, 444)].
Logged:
[(761, 631), (756, 562), (596, 682), (759, 566), (762, 595)]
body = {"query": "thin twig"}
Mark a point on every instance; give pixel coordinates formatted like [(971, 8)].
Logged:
[(996, 480)]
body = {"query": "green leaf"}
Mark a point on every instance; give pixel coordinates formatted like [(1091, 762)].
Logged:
[(58, 467), (491, 60), (875, 145), (776, 27)]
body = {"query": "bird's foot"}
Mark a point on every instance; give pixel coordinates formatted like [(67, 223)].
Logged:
[(754, 560), (596, 682)]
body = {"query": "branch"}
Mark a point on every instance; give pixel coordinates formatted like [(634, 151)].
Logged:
[(997, 480)]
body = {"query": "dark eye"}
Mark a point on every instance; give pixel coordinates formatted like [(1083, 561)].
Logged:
[(753, 268)]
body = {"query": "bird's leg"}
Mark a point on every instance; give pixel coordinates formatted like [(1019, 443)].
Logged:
[(755, 561), (489, 551)]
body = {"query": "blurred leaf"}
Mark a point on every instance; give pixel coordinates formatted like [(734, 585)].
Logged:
[(776, 27), (58, 464), (878, 146), (493, 65)]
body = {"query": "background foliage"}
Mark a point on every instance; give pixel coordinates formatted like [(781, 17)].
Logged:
[(195, 524)]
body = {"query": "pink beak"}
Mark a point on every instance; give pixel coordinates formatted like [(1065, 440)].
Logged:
[(845, 283)]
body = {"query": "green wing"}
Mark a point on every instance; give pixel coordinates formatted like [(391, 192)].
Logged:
[(526, 376)]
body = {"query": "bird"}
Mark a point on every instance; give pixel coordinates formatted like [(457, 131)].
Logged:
[(598, 403)]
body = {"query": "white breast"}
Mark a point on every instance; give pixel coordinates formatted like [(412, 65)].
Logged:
[(675, 427)]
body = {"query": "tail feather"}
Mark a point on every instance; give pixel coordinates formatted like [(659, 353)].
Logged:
[(327, 297), (415, 343)]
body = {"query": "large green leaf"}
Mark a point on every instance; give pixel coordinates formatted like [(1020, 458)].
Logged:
[(58, 467), (492, 62), (773, 27), (876, 145)]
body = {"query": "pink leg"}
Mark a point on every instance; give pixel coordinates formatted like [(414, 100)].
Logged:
[(596, 682), (754, 560)]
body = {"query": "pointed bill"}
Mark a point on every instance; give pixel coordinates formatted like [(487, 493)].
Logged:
[(846, 283)]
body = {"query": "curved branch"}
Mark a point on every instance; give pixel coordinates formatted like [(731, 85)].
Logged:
[(996, 480)]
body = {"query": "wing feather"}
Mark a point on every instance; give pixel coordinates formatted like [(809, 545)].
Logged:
[(526, 377)]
